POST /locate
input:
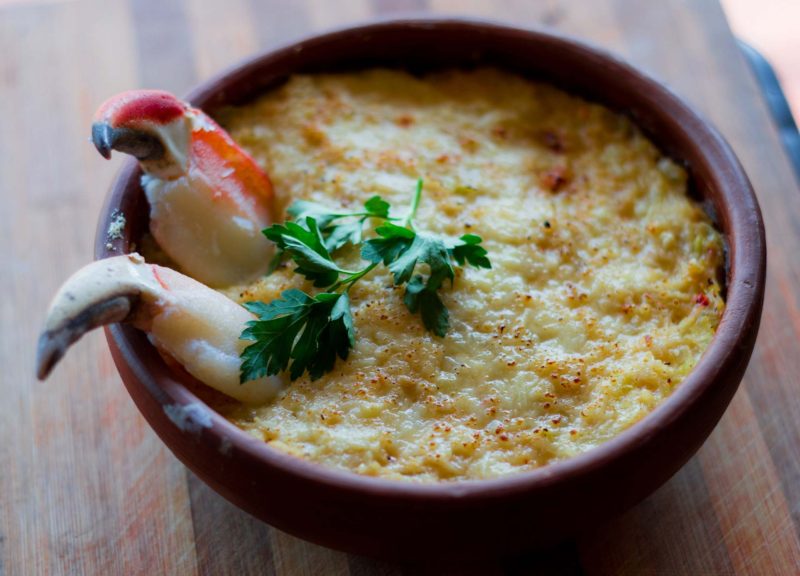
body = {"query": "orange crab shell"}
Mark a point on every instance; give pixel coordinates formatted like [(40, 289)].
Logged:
[(230, 170)]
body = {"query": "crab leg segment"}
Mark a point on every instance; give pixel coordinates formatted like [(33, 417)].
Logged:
[(185, 319), (208, 198)]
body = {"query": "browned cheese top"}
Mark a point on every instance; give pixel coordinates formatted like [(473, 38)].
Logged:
[(603, 295)]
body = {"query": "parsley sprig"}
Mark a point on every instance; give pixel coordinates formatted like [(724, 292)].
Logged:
[(308, 331), (336, 228), (300, 332)]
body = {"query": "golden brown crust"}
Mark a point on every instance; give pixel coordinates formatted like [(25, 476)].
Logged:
[(602, 296)]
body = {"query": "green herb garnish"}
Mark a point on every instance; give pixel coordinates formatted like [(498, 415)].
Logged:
[(309, 332), (336, 233), (300, 332)]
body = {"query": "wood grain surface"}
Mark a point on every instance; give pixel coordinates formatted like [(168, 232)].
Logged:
[(85, 485)]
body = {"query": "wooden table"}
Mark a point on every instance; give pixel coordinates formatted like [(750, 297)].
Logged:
[(85, 485)]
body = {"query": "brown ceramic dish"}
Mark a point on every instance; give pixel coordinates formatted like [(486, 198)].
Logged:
[(394, 519)]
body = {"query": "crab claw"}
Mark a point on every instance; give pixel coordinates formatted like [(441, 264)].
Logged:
[(208, 198), (186, 320)]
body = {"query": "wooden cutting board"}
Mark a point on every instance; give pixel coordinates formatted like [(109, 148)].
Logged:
[(87, 488)]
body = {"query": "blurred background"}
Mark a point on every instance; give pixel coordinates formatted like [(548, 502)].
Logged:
[(773, 28)]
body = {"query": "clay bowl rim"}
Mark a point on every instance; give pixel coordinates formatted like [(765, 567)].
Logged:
[(745, 285)]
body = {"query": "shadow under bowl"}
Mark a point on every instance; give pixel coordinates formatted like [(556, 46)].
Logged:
[(401, 520)]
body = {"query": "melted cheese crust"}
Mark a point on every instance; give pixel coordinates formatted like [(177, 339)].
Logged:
[(604, 290)]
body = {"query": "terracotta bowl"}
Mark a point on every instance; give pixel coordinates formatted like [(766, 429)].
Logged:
[(398, 520)]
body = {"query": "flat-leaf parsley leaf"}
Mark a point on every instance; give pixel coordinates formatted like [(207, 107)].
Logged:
[(304, 333), (297, 332)]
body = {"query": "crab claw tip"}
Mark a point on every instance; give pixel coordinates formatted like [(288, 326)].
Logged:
[(54, 341), (47, 355), (50, 350), (139, 143), (103, 138)]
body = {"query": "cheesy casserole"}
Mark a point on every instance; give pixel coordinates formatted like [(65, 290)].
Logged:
[(604, 292)]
